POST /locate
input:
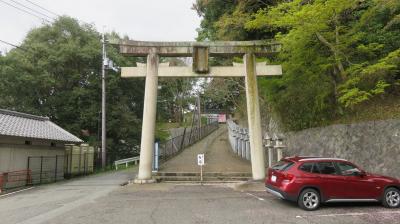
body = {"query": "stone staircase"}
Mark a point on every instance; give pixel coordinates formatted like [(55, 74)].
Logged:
[(207, 176)]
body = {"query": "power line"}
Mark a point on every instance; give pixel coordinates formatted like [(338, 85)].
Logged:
[(16, 46), (52, 12), (23, 10), (35, 4), (33, 10)]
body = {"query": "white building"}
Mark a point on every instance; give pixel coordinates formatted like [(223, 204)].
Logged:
[(24, 135)]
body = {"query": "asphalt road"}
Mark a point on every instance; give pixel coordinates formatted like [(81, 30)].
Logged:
[(48, 202), (100, 199)]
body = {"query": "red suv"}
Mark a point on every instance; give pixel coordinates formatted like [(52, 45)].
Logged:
[(310, 181)]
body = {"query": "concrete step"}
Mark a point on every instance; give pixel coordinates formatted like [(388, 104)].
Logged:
[(204, 182), (207, 176), (194, 178)]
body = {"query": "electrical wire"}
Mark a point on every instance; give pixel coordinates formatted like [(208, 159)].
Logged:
[(43, 8), (52, 12), (33, 10), (23, 10), (16, 46)]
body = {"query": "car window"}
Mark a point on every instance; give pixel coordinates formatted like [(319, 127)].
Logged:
[(315, 169), (309, 168), (327, 168), (347, 169), (282, 165), (306, 167)]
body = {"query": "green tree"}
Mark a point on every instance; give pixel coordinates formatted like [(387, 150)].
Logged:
[(58, 75), (344, 49), (175, 95), (336, 54), (225, 20)]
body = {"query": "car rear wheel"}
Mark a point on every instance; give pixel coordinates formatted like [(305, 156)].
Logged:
[(391, 198), (309, 199)]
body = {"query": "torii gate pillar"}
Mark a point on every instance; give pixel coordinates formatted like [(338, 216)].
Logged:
[(200, 51), (253, 118), (149, 120)]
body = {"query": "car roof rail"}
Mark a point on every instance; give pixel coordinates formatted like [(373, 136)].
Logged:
[(321, 158)]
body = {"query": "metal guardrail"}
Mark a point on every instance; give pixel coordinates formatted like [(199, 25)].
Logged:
[(135, 160), (239, 140)]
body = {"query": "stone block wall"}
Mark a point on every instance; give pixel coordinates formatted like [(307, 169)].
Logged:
[(375, 145)]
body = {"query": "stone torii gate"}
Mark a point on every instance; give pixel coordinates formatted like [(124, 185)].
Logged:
[(200, 51)]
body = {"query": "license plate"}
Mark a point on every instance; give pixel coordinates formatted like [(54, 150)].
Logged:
[(273, 178)]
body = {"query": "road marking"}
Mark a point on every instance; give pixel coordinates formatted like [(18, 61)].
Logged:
[(16, 192), (349, 214), (260, 199)]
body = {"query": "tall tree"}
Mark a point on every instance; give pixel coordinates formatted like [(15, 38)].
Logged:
[(337, 55), (326, 48), (58, 75)]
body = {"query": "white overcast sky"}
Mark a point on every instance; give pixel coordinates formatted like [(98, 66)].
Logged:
[(164, 20)]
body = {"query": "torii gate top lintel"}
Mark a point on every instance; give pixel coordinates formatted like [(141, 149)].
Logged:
[(185, 48), (200, 52)]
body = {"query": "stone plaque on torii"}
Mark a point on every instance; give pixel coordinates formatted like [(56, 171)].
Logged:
[(200, 51)]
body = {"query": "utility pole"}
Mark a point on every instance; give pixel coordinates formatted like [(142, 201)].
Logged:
[(198, 111), (103, 104), (198, 114)]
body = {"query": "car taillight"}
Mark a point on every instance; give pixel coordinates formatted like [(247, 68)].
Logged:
[(288, 176)]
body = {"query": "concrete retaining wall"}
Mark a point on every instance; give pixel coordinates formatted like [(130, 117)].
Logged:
[(375, 146)]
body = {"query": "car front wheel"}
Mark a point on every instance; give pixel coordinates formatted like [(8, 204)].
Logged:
[(391, 198), (309, 199)]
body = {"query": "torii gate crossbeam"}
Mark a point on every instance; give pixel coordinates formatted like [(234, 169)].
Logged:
[(200, 51)]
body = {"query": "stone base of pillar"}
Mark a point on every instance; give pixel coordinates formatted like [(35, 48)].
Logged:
[(140, 181)]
